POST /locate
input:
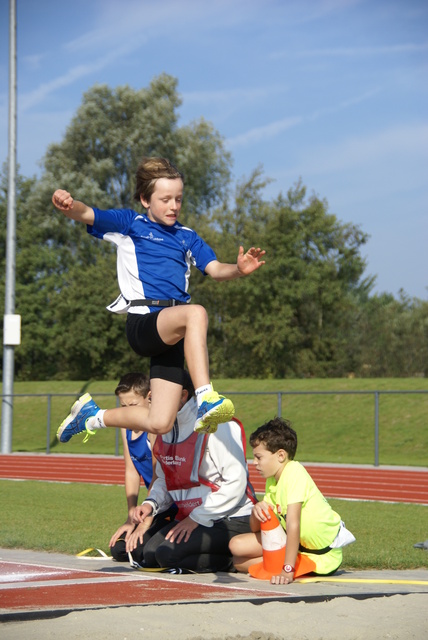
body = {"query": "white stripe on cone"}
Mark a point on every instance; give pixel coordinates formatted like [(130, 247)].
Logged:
[(274, 539)]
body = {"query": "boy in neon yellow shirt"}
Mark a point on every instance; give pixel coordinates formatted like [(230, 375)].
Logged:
[(315, 533)]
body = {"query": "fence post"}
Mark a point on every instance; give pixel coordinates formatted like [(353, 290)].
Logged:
[(48, 428), (376, 462), (117, 432), (279, 404)]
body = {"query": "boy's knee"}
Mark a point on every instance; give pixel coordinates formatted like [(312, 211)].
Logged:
[(150, 551), (233, 547), (199, 314), (138, 555), (236, 547), (118, 552), (161, 427), (165, 556)]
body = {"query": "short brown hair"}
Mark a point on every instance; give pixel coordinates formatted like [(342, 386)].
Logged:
[(148, 172), (134, 381), (276, 434)]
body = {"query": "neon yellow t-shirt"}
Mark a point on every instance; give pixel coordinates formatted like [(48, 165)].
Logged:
[(319, 524)]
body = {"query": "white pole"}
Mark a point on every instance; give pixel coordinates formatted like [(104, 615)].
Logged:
[(12, 322)]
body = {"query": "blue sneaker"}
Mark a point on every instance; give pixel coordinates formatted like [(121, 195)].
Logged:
[(74, 423), (213, 410)]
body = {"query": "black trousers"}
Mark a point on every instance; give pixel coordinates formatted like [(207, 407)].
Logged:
[(118, 551), (206, 551)]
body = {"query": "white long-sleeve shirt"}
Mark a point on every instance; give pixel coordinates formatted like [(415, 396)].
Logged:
[(223, 464)]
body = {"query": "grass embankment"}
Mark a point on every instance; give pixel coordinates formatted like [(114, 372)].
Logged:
[(331, 427)]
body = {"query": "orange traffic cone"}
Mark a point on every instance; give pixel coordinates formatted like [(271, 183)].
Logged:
[(273, 543), (304, 565)]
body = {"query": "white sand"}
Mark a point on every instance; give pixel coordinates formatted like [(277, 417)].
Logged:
[(397, 617)]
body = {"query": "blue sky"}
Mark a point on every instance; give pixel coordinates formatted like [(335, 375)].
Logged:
[(330, 91)]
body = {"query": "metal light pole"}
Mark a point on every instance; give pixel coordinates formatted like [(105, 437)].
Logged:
[(12, 322)]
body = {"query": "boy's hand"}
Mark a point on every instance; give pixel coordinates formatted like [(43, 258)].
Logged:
[(141, 512), (261, 511), (124, 531), (250, 261), (136, 537), (283, 578), (62, 200), (182, 531)]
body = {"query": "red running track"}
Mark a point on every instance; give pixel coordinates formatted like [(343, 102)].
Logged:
[(387, 484)]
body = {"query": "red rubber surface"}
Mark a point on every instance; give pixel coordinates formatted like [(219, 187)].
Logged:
[(350, 482), (31, 587)]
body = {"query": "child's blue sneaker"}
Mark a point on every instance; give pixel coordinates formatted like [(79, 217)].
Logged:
[(213, 410), (74, 423)]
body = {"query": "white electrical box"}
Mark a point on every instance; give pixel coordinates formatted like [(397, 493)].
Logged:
[(11, 329)]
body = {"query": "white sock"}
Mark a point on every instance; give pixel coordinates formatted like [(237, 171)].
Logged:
[(199, 392), (97, 421)]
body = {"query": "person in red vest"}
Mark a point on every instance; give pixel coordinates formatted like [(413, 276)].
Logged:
[(206, 476)]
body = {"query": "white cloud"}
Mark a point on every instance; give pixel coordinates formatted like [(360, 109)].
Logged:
[(341, 52), (263, 132), (300, 12), (28, 100), (172, 18), (382, 149), (364, 175), (240, 95), (271, 130), (34, 62), (345, 104), (366, 51), (147, 20), (35, 133), (127, 27)]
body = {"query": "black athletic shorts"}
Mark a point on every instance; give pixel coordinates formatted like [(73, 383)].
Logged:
[(166, 361)]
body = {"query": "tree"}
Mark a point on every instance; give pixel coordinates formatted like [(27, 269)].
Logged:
[(286, 320), (392, 337), (113, 130)]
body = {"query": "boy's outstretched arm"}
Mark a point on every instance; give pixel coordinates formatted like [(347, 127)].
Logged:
[(294, 512), (245, 264), (73, 209)]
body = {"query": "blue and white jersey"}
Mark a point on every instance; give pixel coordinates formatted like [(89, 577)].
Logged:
[(141, 455), (153, 260)]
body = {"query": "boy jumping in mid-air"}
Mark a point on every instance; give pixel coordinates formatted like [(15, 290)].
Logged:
[(154, 255)]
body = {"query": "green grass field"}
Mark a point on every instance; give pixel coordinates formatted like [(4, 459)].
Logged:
[(68, 518), (331, 427)]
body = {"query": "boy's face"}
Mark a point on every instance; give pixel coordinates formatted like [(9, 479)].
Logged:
[(132, 399), (165, 204), (269, 464)]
